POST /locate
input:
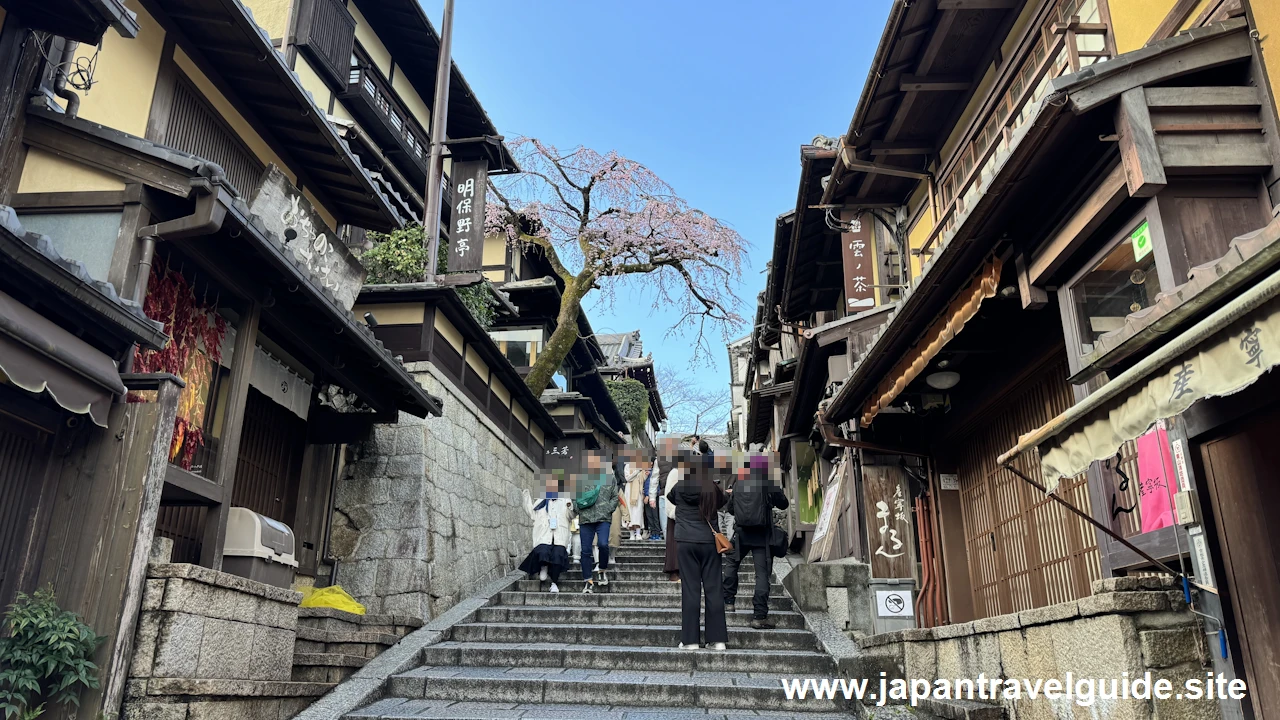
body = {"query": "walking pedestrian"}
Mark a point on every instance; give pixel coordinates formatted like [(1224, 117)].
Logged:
[(637, 472), (677, 460), (752, 502), (697, 498), (652, 483), (552, 517), (595, 508)]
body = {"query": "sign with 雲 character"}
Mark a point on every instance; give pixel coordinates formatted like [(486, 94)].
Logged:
[(857, 251), (466, 222)]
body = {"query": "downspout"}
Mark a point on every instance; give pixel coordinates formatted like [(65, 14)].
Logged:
[(60, 78)]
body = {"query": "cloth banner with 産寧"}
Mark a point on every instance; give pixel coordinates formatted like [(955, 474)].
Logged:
[(1225, 363)]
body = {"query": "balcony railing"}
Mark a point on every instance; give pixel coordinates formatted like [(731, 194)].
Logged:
[(395, 124), (1073, 37)]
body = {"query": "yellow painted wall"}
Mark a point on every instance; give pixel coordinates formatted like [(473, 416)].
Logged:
[(481, 368), (494, 276), (327, 216), (522, 416), (504, 395), (340, 112), (312, 83), (368, 40), (45, 172), (1266, 18), (392, 313), (536, 432), (271, 15), (920, 231), (411, 99), (448, 331), (1133, 21), (495, 251), (125, 77)]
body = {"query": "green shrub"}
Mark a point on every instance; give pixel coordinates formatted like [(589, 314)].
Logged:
[(632, 399), (45, 657), (400, 256)]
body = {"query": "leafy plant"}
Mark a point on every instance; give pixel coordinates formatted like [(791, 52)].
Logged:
[(632, 399), (45, 656), (400, 256)]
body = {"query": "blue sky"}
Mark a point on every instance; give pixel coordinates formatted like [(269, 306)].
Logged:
[(714, 96)]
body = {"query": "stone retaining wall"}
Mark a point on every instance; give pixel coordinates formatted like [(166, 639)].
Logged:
[(1131, 625), (431, 509)]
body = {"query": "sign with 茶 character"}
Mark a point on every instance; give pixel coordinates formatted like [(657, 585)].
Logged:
[(289, 216), (857, 251), (466, 223)]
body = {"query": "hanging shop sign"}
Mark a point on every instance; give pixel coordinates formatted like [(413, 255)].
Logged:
[(466, 229), (890, 531), (857, 251), (288, 214)]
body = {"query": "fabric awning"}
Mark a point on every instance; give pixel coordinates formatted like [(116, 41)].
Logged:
[(37, 355), (1222, 354), (944, 328)]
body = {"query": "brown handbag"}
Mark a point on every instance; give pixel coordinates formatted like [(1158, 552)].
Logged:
[(723, 544)]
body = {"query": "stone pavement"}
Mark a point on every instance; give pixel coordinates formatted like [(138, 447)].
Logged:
[(532, 654)]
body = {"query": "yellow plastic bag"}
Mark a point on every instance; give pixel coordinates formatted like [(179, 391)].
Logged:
[(330, 597)]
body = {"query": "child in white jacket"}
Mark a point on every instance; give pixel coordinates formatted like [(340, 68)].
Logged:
[(551, 516)]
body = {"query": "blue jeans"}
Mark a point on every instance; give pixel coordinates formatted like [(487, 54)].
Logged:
[(594, 533)]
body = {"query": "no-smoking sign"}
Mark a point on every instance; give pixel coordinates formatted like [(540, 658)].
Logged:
[(894, 603)]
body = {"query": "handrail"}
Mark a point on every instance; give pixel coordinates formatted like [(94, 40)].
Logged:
[(384, 98)]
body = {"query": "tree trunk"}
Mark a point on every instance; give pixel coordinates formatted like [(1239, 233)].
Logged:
[(566, 333)]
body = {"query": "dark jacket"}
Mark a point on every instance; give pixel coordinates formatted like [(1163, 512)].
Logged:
[(759, 536), (696, 499)]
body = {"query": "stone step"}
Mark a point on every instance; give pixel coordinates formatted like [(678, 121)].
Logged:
[(629, 573), (325, 667), (619, 657), (585, 688), (624, 616), (399, 708), (658, 587), (962, 709), (311, 641), (777, 603), (339, 621), (631, 635)]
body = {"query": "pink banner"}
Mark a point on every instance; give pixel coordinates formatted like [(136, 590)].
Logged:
[(1155, 480)]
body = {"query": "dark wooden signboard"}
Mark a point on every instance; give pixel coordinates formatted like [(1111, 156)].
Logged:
[(466, 233), (857, 250), (890, 529)]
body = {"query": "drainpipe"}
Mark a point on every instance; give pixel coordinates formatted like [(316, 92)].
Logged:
[(206, 220), (60, 78)]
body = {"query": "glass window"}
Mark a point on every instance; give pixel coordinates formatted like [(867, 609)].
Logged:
[(521, 347), (1124, 282)]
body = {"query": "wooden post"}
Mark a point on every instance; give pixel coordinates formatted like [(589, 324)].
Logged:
[(224, 473), (1143, 168), (117, 668)]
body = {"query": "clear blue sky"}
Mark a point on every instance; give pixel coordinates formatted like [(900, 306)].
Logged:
[(715, 96)]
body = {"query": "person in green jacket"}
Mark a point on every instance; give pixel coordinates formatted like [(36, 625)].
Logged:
[(595, 506)]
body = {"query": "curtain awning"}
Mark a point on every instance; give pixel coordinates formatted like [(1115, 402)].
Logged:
[(944, 328), (1222, 354), (38, 356)]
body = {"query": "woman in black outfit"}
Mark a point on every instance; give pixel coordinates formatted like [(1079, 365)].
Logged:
[(696, 498)]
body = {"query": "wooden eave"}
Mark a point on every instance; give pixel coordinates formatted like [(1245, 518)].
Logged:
[(403, 27), (84, 21), (236, 54), (930, 59), (813, 273)]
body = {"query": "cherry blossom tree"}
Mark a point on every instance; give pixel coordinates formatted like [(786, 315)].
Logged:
[(609, 224)]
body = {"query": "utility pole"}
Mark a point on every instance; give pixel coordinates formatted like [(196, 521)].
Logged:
[(439, 121)]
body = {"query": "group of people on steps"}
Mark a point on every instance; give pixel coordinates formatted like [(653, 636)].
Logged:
[(701, 495)]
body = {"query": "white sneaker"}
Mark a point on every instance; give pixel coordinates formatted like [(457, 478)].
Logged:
[(542, 574), (588, 588), (718, 647), (554, 588), (682, 646), (604, 579)]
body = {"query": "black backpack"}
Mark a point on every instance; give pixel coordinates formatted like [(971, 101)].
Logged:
[(751, 507)]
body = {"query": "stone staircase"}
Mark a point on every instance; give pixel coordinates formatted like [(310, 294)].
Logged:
[(610, 655), (332, 645)]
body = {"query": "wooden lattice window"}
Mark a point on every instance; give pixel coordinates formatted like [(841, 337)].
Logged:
[(1025, 550), (327, 33), (197, 128)]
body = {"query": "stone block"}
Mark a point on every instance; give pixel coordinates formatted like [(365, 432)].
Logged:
[(944, 632), (998, 623), (917, 635), (154, 711), (920, 660), (1049, 614), (161, 550), (256, 709), (153, 594), (178, 645), (226, 650), (1124, 602), (1166, 648), (272, 657), (144, 646)]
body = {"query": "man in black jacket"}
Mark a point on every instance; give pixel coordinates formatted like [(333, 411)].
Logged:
[(751, 502)]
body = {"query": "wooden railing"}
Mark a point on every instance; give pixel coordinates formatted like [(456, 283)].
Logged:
[(1064, 45), (381, 97)]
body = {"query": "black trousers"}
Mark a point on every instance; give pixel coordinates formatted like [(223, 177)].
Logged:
[(763, 560), (701, 573), (651, 520)]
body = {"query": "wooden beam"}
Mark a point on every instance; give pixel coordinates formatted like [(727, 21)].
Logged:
[(881, 169), (224, 469), (901, 148), (977, 4), (934, 83), (1094, 211), (1174, 20), (1033, 298), (1203, 98), (1143, 169), (1214, 157), (113, 159)]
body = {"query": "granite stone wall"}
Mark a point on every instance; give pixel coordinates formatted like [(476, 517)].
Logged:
[(430, 509)]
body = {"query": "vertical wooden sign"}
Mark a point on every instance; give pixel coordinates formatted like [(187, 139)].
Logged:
[(857, 250), (890, 529), (466, 234)]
